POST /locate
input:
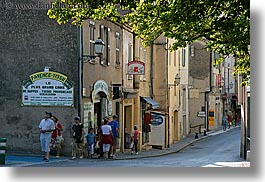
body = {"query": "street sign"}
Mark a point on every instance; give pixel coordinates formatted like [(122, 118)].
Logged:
[(201, 114)]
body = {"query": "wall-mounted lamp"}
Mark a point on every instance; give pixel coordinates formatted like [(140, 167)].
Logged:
[(164, 44), (177, 79), (98, 47)]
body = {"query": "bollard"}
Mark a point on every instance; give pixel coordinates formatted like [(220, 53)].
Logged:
[(2, 150)]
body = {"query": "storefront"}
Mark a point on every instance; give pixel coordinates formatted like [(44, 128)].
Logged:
[(99, 106), (147, 105)]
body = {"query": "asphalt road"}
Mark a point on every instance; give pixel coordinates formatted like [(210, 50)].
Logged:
[(215, 151)]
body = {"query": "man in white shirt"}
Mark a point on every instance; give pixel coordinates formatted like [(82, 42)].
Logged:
[(106, 137), (46, 127)]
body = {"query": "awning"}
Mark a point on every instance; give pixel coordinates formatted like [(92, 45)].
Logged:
[(152, 102)]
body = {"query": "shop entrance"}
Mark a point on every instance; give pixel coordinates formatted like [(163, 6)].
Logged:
[(97, 115), (127, 126), (176, 126), (100, 110)]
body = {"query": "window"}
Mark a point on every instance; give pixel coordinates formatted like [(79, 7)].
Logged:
[(175, 58), (91, 37), (105, 36), (183, 57), (129, 52), (169, 58), (130, 77), (142, 53), (118, 42)]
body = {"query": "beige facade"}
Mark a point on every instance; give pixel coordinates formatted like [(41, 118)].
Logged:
[(102, 76), (109, 89)]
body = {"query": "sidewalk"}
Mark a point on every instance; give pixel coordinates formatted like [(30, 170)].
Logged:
[(25, 160)]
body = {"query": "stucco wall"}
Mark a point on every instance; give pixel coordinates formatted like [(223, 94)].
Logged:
[(30, 41), (199, 76)]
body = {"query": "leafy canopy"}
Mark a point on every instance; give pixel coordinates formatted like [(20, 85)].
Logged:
[(225, 24)]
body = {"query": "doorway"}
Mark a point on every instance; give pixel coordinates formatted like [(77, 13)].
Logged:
[(127, 126), (97, 115), (176, 126)]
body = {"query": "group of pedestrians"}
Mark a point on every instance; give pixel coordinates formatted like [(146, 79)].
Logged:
[(105, 140), (50, 135), (227, 120)]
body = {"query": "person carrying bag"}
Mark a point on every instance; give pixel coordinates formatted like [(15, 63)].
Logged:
[(134, 140)]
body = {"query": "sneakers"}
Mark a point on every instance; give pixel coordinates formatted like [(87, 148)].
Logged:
[(81, 157), (131, 152), (45, 160), (57, 157), (136, 153), (73, 158)]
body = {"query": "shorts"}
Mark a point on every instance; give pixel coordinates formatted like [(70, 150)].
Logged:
[(106, 147)]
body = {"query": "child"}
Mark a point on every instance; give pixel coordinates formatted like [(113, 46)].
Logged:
[(90, 138), (135, 138)]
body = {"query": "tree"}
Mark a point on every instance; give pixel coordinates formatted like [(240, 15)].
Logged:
[(224, 24)]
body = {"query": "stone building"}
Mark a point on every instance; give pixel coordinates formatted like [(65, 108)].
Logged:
[(30, 41)]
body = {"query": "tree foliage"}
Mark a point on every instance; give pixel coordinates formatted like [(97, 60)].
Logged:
[(224, 24)]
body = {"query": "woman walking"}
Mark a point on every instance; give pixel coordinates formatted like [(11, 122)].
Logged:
[(106, 137)]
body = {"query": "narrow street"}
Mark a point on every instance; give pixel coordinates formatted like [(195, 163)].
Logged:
[(221, 150)]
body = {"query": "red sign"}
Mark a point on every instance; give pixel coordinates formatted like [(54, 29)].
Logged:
[(136, 68)]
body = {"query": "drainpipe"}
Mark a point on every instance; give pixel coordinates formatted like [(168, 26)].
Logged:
[(152, 70), (80, 70), (167, 99)]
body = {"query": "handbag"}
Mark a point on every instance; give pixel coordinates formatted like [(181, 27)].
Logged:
[(59, 138), (131, 145)]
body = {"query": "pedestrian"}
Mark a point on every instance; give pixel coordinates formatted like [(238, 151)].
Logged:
[(90, 138), (230, 118), (134, 139), (224, 121), (57, 137), (106, 137), (78, 135), (115, 130), (46, 127)]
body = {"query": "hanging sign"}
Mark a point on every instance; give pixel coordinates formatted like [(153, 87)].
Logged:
[(136, 68), (47, 88)]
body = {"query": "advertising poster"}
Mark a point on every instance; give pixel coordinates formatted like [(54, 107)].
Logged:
[(157, 134), (47, 89)]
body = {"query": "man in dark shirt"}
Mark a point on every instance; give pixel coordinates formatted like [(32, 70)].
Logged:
[(78, 135)]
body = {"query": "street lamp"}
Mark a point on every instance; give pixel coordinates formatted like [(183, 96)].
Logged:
[(177, 79), (98, 47)]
